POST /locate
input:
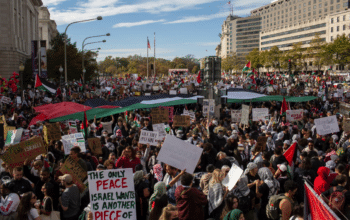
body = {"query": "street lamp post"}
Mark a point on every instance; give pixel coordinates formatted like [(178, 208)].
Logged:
[(61, 77), (103, 41), (65, 42), (21, 69)]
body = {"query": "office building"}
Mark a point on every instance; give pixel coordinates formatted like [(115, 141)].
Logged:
[(19, 26), (239, 35)]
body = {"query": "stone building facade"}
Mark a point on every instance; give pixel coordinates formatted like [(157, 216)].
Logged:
[(47, 27)]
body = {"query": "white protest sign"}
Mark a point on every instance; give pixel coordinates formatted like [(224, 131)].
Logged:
[(236, 115), (191, 114), (73, 140), (327, 125), (148, 137), (183, 90), (19, 100), (72, 127), (179, 154), (294, 115), (260, 114), (6, 100), (47, 99), (112, 194), (172, 92), (232, 177), (147, 94), (160, 128), (245, 115)]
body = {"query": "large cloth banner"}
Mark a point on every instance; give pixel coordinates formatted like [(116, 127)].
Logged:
[(260, 114), (179, 154), (112, 194), (35, 58), (43, 60), (294, 115), (327, 125)]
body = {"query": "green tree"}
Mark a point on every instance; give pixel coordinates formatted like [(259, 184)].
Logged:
[(297, 56), (338, 50), (265, 59), (316, 51), (55, 59), (274, 56), (231, 63)]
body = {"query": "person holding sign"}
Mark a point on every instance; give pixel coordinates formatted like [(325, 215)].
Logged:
[(128, 159)]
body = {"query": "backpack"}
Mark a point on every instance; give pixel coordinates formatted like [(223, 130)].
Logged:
[(337, 200), (272, 208)]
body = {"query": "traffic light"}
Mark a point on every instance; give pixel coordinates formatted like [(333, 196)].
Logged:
[(289, 66)]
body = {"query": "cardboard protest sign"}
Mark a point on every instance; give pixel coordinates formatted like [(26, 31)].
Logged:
[(75, 95), (236, 115), (182, 121), (346, 124), (232, 177), (190, 113), (18, 153), (344, 109), (160, 128), (52, 132), (295, 115), (47, 100), (160, 115), (72, 140), (261, 143), (179, 154), (183, 91), (148, 137), (72, 167), (112, 194), (95, 146), (260, 114), (170, 110), (245, 115), (327, 125)]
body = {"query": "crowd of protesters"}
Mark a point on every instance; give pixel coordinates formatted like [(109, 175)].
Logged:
[(38, 190)]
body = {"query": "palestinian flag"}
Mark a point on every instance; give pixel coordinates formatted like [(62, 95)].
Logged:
[(85, 126), (42, 84), (284, 107), (250, 74), (247, 67), (199, 77)]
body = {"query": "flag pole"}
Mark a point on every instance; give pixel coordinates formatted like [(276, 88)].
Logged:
[(154, 65), (147, 57)]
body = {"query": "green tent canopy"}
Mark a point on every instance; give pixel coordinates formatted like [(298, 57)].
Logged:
[(278, 98)]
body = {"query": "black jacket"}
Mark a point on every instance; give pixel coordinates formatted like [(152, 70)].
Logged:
[(20, 186)]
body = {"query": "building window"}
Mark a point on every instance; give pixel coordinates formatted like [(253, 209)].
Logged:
[(320, 11), (337, 19), (325, 10), (344, 27), (338, 6), (320, 5), (309, 14), (304, 9), (331, 1), (314, 1), (309, 2), (325, 4), (338, 0), (331, 8), (299, 11), (331, 38), (314, 13), (314, 6), (304, 4), (344, 17), (331, 29), (337, 28)]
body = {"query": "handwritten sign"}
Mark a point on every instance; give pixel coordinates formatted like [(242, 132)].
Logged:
[(294, 115), (14, 136), (327, 125), (95, 146), (344, 109), (18, 153), (112, 194), (148, 137), (261, 144), (72, 127), (160, 115), (183, 91), (72, 140), (179, 154), (245, 115), (5, 100), (346, 124), (52, 132), (236, 115), (172, 92), (160, 128), (260, 114), (75, 95), (232, 177), (72, 167), (182, 121)]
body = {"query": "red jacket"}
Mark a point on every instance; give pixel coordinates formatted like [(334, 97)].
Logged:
[(190, 202), (124, 162), (321, 183)]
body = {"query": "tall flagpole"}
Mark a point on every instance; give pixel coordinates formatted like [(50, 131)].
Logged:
[(154, 65), (147, 57)]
